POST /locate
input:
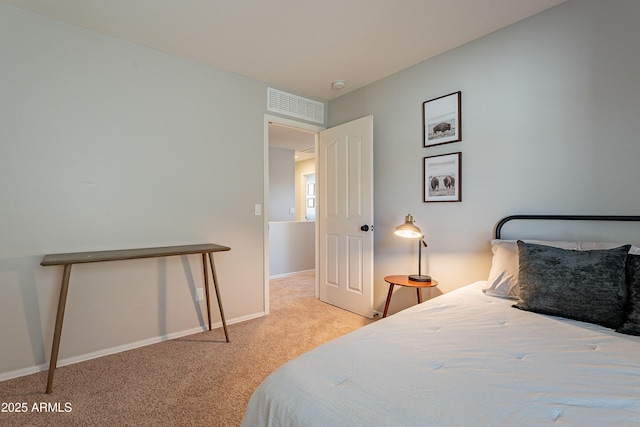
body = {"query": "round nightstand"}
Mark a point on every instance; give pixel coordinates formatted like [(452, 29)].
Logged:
[(403, 280)]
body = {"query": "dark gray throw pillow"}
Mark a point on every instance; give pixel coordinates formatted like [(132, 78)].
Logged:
[(632, 322), (580, 285)]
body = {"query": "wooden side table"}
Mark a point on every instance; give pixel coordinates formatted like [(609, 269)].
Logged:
[(403, 280)]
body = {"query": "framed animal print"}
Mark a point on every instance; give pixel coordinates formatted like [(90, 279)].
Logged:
[(442, 178), (442, 119)]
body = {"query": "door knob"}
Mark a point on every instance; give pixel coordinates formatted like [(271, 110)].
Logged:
[(366, 228)]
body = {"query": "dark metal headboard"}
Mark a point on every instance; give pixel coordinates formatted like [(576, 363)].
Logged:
[(504, 220)]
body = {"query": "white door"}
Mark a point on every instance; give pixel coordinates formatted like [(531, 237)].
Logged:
[(345, 216)]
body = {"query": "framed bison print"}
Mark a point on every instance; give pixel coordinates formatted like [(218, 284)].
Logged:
[(442, 119), (441, 178)]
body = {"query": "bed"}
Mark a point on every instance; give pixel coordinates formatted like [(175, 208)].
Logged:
[(551, 340)]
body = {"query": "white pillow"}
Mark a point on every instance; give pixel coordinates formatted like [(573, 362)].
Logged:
[(589, 246), (503, 277)]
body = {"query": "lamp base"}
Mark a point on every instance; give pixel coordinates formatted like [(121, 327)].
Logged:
[(419, 278)]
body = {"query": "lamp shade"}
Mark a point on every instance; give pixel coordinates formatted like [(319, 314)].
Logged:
[(408, 229)]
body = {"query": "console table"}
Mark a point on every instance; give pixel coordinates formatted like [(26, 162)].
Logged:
[(67, 260)]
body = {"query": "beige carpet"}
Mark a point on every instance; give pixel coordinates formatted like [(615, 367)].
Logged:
[(199, 380)]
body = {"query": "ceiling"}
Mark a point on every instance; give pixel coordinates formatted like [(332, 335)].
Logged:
[(301, 141), (300, 46)]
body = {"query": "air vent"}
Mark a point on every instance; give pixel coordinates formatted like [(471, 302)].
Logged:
[(294, 106)]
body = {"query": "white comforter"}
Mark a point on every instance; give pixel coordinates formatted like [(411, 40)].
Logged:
[(461, 359)]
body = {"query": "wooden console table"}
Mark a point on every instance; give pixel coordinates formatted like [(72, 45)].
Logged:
[(67, 260)]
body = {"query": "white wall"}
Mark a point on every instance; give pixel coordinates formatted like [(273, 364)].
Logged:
[(281, 184), (105, 145), (550, 125), (303, 167)]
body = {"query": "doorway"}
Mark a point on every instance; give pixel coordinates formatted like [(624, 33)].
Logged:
[(284, 204)]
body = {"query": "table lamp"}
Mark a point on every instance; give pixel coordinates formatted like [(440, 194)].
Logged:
[(409, 230)]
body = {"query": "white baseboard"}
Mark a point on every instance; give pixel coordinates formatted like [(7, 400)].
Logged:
[(277, 276), (119, 349)]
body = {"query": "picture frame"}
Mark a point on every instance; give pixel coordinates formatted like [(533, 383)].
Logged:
[(442, 178), (442, 120)]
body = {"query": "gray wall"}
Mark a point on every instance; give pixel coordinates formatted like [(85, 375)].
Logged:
[(105, 145), (550, 125), (291, 247)]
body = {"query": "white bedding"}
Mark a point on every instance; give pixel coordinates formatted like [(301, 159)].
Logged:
[(461, 359)]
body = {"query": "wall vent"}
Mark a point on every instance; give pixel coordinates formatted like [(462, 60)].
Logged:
[(295, 106)]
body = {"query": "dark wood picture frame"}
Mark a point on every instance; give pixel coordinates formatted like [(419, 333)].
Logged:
[(442, 120), (441, 178)]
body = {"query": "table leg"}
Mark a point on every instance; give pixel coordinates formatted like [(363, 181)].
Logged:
[(215, 285), (206, 287), (419, 291), (57, 332), (386, 306)]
